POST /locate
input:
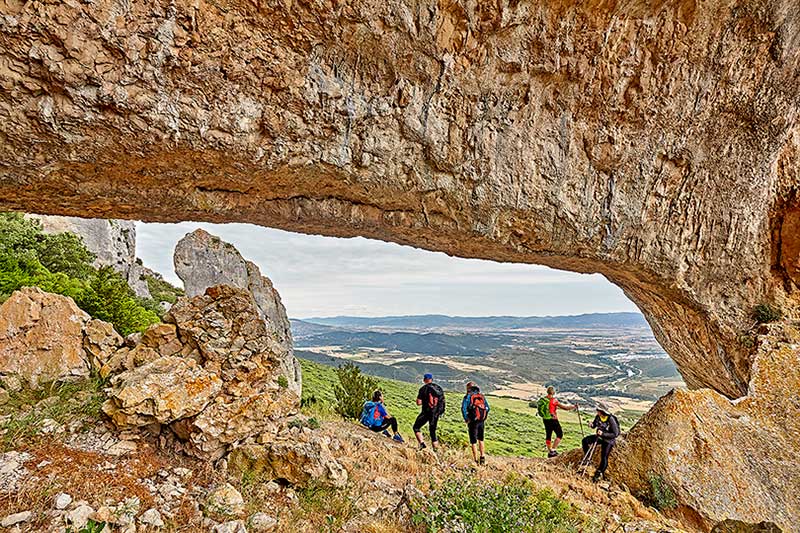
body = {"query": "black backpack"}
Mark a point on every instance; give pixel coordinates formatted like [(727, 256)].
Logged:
[(434, 402)]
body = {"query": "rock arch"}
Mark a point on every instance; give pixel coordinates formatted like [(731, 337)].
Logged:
[(654, 142)]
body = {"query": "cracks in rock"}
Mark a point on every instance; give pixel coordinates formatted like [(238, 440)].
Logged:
[(204, 189), (437, 88), (608, 238)]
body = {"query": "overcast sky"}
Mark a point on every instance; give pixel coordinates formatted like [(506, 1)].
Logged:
[(327, 276)]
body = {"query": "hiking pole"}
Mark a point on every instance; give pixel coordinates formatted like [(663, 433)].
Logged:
[(587, 459)]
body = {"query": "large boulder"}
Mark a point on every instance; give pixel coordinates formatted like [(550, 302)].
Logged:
[(293, 461), (203, 260), (726, 459), (215, 378), (45, 337), (162, 391)]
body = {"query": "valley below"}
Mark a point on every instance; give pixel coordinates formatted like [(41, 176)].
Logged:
[(611, 357)]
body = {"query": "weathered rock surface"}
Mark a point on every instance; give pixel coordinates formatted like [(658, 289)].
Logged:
[(726, 460), (203, 260), (224, 500), (164, 390), (100, 342), (736, 526), (113, 242), (213, 374), (45, 337), (296, 462), (654, 142)]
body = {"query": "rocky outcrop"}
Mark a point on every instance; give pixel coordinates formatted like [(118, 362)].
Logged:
[(723, 459), (654, 142), (113, 243), (45, 337), (214, 375), (203, 260)]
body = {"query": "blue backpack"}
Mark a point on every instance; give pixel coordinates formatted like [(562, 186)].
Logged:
[(370, 415)]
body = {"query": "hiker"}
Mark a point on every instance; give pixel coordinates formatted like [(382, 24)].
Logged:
[(548, 407), (375, 417), (607, 427), (431, 399), (475, 409)]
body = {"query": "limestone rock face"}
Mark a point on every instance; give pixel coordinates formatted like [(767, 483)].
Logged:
[(296, 462), (726, 460), (203, 260), (212, 376), (657, 143), (101, 341), (41, 337)]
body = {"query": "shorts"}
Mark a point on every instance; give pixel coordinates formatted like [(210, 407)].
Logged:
[(475, 430), (552, 426)]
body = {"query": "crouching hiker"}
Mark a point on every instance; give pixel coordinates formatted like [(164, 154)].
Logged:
[(548, 407), (475, 409), (375, 417), (607, 427)]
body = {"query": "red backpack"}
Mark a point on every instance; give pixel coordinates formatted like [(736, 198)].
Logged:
[(477, 407)]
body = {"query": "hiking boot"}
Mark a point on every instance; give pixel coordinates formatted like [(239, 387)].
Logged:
[(597, 477), (422, 446), (398, 438), (552, 453), (386, 433), (482, 460)]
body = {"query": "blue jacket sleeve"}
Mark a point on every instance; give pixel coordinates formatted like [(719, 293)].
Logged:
[(382, 411), (487, 405), (464, 405)]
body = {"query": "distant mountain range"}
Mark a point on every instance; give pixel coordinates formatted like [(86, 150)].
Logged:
[(426, 322)]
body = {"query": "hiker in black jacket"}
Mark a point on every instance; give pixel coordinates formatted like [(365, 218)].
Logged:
[(607, 431), (431, 399)]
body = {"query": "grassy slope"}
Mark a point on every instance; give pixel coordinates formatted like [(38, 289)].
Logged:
[(511, 429)]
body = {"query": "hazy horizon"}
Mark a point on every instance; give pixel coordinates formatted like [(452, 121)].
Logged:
[(320, 276), (319, 317)]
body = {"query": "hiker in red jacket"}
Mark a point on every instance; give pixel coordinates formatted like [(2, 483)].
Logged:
[(551, 423)]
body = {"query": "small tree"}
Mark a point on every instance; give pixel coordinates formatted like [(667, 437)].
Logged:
[(353, 390)]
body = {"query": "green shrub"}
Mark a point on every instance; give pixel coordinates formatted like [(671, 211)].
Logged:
[(471, 505), (353, 390), (661, 495), (283, 381), (110, 298), (764, 313)]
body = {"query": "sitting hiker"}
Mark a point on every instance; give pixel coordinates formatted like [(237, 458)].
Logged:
[(431, 401), (548, 407), (375, 417), (607, 427), (475, 409)]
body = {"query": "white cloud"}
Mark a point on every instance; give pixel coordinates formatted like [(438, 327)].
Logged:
[(319, 276)]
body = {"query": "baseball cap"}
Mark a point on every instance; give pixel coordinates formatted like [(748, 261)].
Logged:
[(427, 376)]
